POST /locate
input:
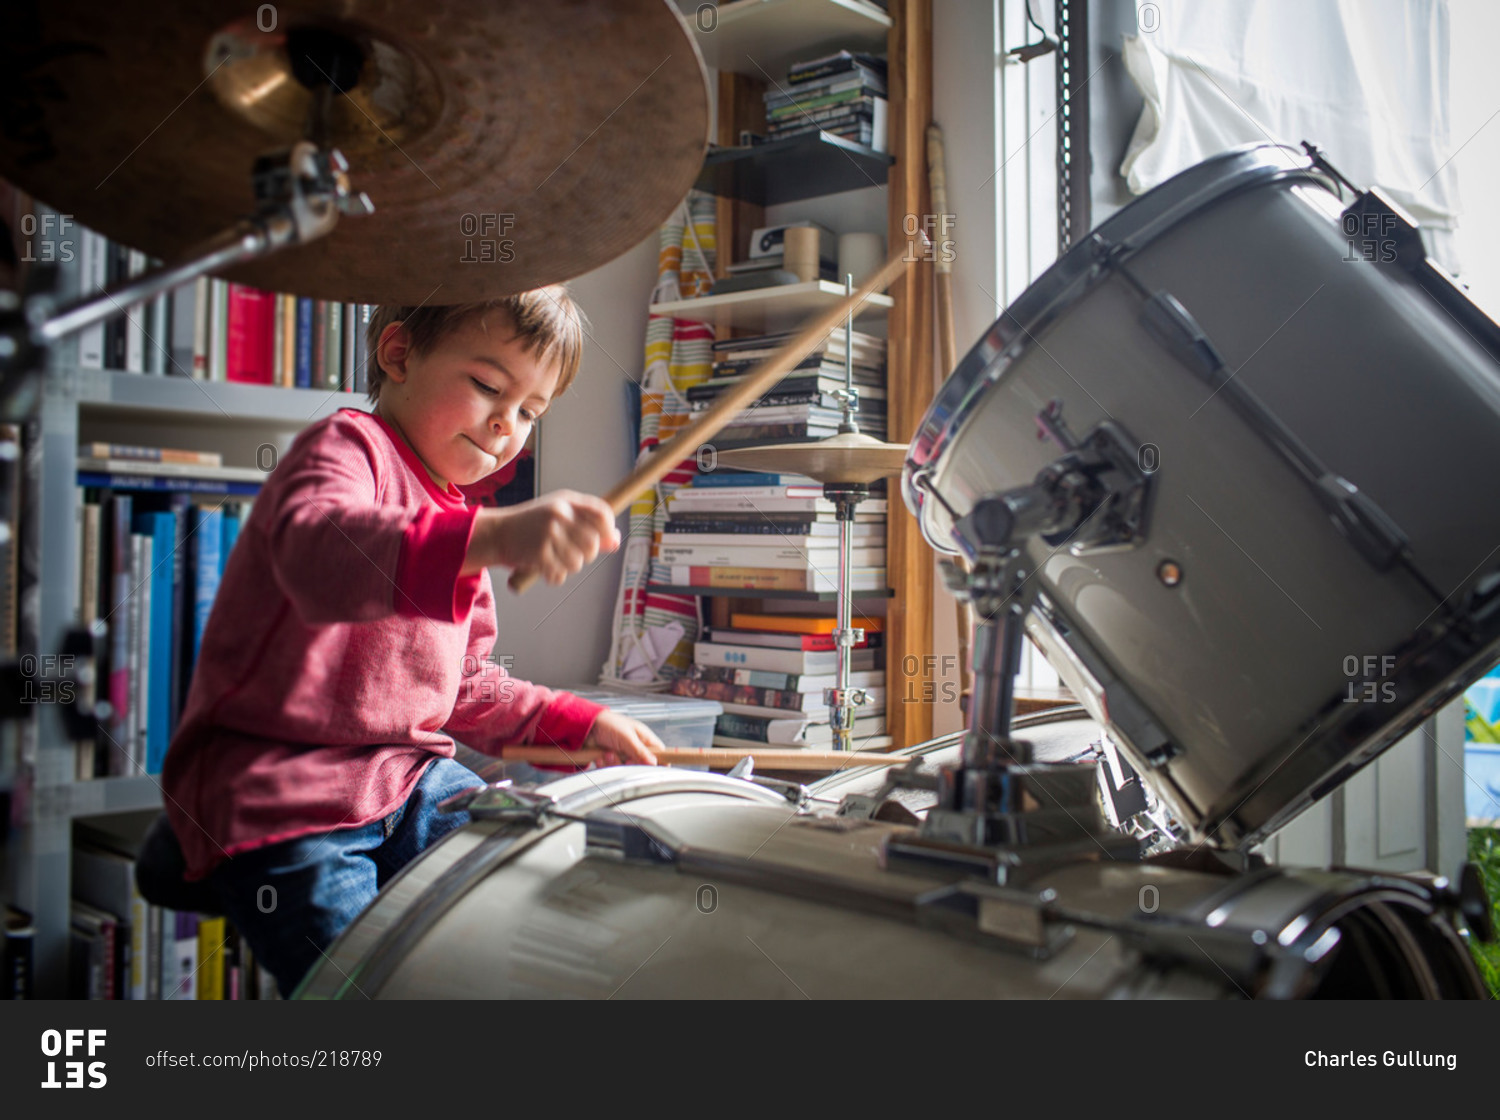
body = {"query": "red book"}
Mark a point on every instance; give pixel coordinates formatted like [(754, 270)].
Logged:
[(250, 335)]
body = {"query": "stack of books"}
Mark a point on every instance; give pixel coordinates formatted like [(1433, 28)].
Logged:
[(765, 533), (214, 330), (156, 526), (122, 947), (769, 672), (803, 405), (842, 93)]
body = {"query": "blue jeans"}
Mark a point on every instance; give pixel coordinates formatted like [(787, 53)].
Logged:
[(319, 884)]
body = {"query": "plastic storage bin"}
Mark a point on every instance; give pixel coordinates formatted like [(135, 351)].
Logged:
[(679, 721)]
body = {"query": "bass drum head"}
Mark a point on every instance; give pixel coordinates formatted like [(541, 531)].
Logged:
[(1278, 657)]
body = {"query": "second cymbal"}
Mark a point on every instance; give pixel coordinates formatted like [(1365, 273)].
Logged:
[(854, 458)]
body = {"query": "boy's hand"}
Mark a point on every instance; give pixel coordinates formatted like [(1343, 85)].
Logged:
[(625, 740), (554, 535)]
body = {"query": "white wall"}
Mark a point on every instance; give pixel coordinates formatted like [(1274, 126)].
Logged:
[(1475, 26), (560, 635)]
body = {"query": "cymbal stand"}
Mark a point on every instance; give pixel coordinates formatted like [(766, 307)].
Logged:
[(842, 700)]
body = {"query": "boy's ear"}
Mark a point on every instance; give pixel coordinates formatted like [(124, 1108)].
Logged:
[(393, 351)]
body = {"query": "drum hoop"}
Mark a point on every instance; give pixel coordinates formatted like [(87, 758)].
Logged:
[(1067, 281)]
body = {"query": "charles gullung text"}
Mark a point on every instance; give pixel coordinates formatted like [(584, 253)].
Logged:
[(1404, 1059)]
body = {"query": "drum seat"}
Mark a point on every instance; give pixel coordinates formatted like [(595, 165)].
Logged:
[(159, 871)]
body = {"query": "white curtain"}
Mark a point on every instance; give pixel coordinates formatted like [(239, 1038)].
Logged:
[(1365, 80)]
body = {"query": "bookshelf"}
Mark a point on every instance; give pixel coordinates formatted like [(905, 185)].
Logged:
[(239, 420), (752, 43)]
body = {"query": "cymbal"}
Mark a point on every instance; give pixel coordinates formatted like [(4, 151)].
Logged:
[(506, 144), (842, 458)]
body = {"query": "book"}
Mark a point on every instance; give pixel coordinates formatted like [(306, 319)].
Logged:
[(179, 955), (122, 567), (105, 879), (184, 329), (170, 469), (753, 522), (789, 732), (809, 683), (778, 660), (92, 272), (866, 535), (773, 554), (213, 933), (362, 347), (835, 338), (850, 81), (752, 478), (278, 347), (95, 945), (218, 321), (302, 376), (157, 625), (862, 741), (202, 333), (18, 961), (769, 506), (774, 699), (333, 346), (797, 623), (135, 319), (815, 642), (811, 70), (149, 483), (319, 344), (143, 548), (350, 336), (206, 529), (822, 103), (690, 494), (250, 335), (815, 714), (150, 454)]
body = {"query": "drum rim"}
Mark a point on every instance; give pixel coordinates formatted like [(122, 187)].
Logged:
[(1066, 281)]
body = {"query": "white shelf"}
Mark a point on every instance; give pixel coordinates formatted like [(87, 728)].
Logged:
[(762, 38), (107, 795), (773, 308), (138, 396)]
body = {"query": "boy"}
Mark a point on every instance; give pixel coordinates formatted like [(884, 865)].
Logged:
[(350, 635)]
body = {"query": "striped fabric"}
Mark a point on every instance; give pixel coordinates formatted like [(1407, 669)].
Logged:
[(678, 356)]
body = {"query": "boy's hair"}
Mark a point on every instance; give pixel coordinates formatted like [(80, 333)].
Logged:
[(546, 320)]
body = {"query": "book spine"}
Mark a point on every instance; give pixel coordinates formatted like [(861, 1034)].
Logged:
[(139, 934), (140, 653), (742, 727), (250, 336), (135, 320), (754, 579), (727, 693), (319, 343), (202, 333), (159, 335), (350, 333), (333, 344), (303, 377), (91, 271), (153, 951), (117, 268), (822, 559), (278, 341), (121, 574), (218, 326), (188, 485), (184, 330), (208, 535), (362, 348), (211, 938)]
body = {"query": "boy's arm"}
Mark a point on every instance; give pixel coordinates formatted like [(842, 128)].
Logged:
[(494, 709), (340, 557)]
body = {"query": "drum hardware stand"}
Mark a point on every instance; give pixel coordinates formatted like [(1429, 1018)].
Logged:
[(843, 702), (999, 810)]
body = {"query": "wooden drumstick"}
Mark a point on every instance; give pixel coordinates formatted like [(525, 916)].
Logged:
[(739, 397), (717, 758)]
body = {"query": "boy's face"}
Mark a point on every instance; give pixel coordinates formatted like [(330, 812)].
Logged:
[(467, 406)]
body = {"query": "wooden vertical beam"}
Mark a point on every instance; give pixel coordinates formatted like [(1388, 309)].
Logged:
[(910, 679), (741, 105)]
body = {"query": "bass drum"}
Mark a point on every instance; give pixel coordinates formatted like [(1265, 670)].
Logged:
[(661, 883), (1305, 567)]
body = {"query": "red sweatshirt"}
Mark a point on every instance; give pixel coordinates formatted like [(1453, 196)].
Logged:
[(344, 653)]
